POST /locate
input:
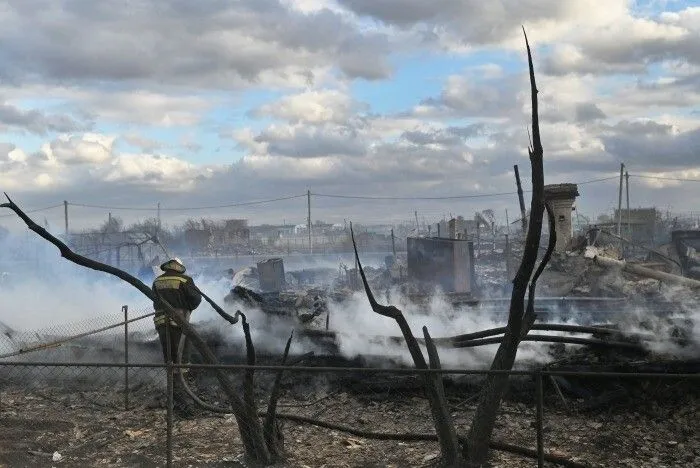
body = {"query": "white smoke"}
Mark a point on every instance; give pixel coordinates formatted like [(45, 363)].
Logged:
[(40, 290), (359, 327)]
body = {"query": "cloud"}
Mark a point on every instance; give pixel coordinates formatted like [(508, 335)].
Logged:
[(309, 142), (628, 45), (34, 121), (5, 150), (653, 146), (91, 162), (166, 173), (588, 111), (142, 107), (316, 106), (217, 44), (460, 24), (175, 97), (147, 145), (74, 149), (449, 136)]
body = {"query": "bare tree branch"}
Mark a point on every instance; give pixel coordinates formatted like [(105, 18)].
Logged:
[(419, 437), (444, 426), (269, 426), (530, 316), (249, 376), (251, 429), (476, 451)]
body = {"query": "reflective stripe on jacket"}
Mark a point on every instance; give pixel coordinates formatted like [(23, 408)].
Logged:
[(179, 291)]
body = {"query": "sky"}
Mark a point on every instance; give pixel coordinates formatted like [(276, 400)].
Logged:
[(193, 105)]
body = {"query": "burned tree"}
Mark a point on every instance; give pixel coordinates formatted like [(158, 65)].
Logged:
[(520, 319), (259, 447), (520, 316), (447, 436)]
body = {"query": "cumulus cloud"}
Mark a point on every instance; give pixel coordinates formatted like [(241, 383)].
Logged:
[(628, 45), (315, 106), (459, 24), (34, 121), (588, 111), (164, 172), (309, 142), (214, 102), (91, 161), (142, 107), (78, 149), (219, 44)]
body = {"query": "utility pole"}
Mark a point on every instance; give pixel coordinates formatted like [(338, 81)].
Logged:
[(65, 215), (619, 202), (507, 255), (308, 200), (521, 200), (393, 242), (478, 238), (629, 221)]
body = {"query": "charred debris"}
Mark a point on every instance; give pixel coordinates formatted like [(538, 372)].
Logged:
[(601, 292)]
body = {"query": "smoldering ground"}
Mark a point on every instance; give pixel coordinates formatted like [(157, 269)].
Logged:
[(47, 294)]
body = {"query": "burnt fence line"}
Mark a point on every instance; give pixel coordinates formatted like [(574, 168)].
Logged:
[(369, 370), (55, 343), (537, 374)]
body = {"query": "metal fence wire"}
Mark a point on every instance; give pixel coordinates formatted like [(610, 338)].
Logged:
[(82, 402), (117, 337)]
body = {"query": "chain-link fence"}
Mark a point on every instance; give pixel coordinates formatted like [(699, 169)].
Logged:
[(66, 404), (120, 337)]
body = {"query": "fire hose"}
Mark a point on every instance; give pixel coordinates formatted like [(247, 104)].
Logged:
[(186, 387)]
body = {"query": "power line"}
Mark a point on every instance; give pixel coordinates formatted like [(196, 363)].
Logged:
[(190, 208), (34, 211), (596, 180), (678, 179), (328, 195), (455, 197)]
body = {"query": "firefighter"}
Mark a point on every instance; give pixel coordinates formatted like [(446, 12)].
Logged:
[(178, 290)]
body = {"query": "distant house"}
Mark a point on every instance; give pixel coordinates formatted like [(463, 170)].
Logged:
[(198, 240), (643, 223), (235, 231), (455, 228)]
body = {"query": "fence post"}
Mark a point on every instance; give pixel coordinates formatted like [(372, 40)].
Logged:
[(125, 309), (538, 418), (169, 406)]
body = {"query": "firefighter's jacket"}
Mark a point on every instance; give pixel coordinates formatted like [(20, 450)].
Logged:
[(178, 290)]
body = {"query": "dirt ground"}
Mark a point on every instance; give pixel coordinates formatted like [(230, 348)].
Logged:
[(92, 428)]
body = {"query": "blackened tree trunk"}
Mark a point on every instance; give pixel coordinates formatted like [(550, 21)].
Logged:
[(520, 319)]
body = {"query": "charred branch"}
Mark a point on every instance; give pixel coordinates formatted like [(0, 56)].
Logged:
[(559, 327), (552, 339), (252, 436), (530, 316), (442, 419), (519, 320), (249, 376), (270, 426), (425, 437)]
